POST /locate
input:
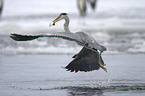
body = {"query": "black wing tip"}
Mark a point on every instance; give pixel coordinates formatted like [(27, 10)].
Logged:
[(68, 69), (75, 56), (71, 69), (14, 36), (19, 37)]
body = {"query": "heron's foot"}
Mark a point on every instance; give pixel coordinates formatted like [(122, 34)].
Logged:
[(102, 66)]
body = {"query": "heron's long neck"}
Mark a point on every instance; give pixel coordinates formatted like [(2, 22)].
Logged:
[(66, 24)]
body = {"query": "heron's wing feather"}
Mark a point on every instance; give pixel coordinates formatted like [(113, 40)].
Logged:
[(79, 37), (86, 60), (81, 53), (89, 41), (19, 37), (63, 35)]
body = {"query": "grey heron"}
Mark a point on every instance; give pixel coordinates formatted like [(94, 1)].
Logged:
[(93, 3), (84, 49), (82, 6), (1, 6), (88, 59)]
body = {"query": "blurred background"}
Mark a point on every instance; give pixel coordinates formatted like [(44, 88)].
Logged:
[(33, 68), (117, 24)]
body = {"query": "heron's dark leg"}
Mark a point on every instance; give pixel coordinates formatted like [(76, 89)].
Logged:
[(102, 66)]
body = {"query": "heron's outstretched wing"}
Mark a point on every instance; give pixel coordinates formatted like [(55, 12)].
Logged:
[(85, 60), (19, 37), (63, 35), (79, 37)]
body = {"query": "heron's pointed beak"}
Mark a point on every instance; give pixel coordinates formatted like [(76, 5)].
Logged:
[(104, 68), (54, 21)]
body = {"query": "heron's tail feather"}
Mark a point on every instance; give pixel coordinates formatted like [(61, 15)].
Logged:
[(104, 68), (19, 37)]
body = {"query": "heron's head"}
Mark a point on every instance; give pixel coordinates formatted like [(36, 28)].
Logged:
[(60, 17)]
